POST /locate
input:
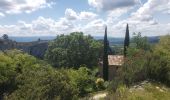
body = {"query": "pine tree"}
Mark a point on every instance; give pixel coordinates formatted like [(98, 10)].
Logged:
[(105, 57), (126, 41)]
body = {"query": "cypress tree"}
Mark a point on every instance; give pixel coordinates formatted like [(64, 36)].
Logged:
[(126, 41), (105, 57)]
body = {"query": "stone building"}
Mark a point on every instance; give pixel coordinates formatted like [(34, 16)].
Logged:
[(111, 63), (114, 63)]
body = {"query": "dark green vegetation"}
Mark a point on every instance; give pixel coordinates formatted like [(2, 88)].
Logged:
[(74, 50), (5, 37), (144, 62), (126, 41), (22, 76), (69, 73), (105, 57)]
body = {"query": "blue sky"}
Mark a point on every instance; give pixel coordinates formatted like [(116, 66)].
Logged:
[(53, 17)]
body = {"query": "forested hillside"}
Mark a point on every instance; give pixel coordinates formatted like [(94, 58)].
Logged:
[(70, 70)]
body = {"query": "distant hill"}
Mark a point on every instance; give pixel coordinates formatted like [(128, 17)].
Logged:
[(112, 40), (31, 38), (120, 41)]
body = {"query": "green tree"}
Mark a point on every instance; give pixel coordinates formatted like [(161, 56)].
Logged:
[(127, 40), (105, 57), (74, 50), (140, 42), (5, 37)]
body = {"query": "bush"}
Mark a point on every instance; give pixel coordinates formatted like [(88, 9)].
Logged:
[(154, 64), (82, 79), (24, 77), (159, 65), (43, 83), (135, 66), (100, 84)]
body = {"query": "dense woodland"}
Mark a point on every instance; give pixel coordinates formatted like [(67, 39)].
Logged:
[(69, 70)]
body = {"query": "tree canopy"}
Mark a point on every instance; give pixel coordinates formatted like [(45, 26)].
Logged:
[(5, 37), (74, 50)]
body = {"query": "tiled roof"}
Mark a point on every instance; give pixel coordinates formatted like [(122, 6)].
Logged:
[(115, 60)]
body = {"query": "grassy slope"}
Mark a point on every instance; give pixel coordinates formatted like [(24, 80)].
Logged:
[(143, 91)]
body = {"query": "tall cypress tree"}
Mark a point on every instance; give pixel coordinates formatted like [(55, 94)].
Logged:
[(105, 57), (126, 41)]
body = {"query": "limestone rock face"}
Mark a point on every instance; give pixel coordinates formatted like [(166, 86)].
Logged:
[(36, 48)]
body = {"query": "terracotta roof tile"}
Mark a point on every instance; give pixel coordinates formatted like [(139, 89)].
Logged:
[(115, 59)]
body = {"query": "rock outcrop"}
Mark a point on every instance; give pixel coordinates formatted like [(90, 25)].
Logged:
[(36, 48)]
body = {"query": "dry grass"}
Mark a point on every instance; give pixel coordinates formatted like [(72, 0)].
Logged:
[(143, 91)]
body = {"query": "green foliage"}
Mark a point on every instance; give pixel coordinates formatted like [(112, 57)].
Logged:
[(11, 64), (105, 57), (43, 83), (5, 36), (24, 77), (73, 50), (100, 84), (159, 65), (114, 84), (127, 40), (147, 91), (82, 79), (142, 63), (140, 42), (7, 74), (135, 66)]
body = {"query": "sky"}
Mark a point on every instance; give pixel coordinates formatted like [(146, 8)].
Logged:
[(54, 17)]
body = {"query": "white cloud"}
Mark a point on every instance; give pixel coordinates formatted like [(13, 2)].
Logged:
[(114, 8), (152, 6), (70, 14), (47, 26), (39, 27), (95, 28), (143, 20), (64, 26), (19, 6), (107, 5), (2, 14), (87, 15)]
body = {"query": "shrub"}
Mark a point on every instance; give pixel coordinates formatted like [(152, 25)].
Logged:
[(24, 77), (100, 84), (135, 66), (159, 66), (82, 79), (43, 83)]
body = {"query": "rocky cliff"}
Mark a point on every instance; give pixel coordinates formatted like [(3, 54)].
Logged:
[(36, 48)]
